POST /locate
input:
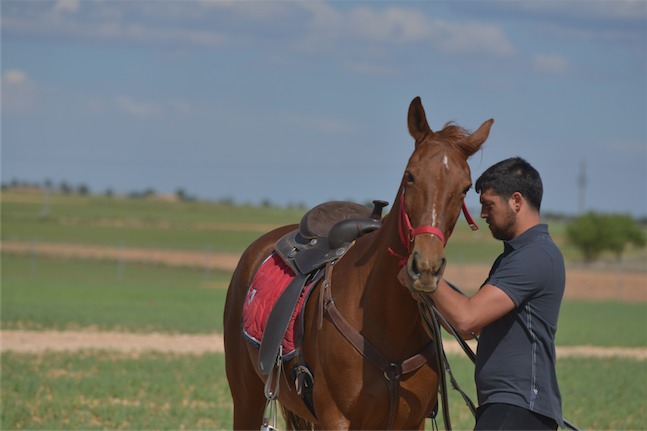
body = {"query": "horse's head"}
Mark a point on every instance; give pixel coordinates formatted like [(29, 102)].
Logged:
[(433, 188)]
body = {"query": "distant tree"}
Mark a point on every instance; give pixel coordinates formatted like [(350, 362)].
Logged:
[(594, 233), (623, 230), (266, 203), (143, 194), (183, 196), (65, 188), (83, 190)]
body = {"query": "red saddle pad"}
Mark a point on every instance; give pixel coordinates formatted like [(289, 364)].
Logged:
[(269, 282)]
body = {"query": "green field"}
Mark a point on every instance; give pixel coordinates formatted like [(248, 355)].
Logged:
[(58, 294), (109, 390), (104, 390)]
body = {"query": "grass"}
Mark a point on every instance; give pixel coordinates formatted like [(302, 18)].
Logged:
[(99, 220), (47, 293), (596, 393), (106, 390), (602, 324), (200, 225), (59, 294)]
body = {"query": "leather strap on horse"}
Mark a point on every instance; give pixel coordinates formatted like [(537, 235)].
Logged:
[(408, 233), (393, 371)]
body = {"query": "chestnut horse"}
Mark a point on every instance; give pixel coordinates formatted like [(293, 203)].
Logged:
[(374, 286)]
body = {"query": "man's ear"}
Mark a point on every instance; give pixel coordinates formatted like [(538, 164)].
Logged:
[(517, 201)]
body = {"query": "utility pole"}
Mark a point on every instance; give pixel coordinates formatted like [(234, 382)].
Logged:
[(581, 183)]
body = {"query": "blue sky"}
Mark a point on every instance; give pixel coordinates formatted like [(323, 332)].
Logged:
[(301, 102)]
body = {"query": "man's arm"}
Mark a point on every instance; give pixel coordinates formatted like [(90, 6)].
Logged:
[(470, 314)]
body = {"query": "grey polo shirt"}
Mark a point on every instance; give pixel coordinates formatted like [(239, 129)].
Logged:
[(515, 359)]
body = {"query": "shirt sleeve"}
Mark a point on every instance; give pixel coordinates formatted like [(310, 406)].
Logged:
[(522, 274)]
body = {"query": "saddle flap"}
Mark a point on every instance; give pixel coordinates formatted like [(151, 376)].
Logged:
[(277, 324)]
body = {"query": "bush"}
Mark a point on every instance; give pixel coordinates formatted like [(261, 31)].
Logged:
[(594, 233)]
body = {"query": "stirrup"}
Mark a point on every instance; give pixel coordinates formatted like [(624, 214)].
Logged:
[(271, 393)]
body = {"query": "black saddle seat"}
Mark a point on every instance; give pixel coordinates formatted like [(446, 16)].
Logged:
[(317, 222)]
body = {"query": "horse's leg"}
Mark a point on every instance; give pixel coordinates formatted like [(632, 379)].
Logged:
[(247, 394), (245, 385), (247, 388)]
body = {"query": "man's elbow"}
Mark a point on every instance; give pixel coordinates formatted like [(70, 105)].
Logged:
[(468, 326)]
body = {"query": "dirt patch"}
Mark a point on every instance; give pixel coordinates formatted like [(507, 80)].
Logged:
[(184, 258), (43, 341), (40, 341)]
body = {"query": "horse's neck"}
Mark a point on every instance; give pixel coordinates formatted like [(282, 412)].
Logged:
[(387, 309)]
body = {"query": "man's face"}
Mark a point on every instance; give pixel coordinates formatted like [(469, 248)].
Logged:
[(499, 215)]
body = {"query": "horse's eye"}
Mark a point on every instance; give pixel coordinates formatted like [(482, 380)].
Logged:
[(467, 189), (408, 178)]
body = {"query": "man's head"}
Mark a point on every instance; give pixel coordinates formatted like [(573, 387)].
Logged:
[(510, 189)]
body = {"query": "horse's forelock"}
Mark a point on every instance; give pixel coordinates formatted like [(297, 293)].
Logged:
[(454, 135)]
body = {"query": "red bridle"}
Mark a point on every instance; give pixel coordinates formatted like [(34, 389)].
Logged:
[(408, 233)]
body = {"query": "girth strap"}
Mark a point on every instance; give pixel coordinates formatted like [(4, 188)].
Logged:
[(393, 371)]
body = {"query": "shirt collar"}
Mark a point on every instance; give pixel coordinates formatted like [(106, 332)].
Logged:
[(526, 237)]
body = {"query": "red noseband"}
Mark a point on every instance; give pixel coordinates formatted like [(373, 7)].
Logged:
[(408, 233)]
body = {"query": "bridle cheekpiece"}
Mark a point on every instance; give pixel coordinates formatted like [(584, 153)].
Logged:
[(408, 233)]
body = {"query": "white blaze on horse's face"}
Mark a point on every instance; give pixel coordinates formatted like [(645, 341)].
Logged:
[(442, 177), (433, 200)]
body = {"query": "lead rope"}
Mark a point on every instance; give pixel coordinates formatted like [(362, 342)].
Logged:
[(441, 362), (435, 314)]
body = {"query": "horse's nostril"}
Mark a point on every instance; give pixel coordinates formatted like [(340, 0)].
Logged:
[(415, 269)]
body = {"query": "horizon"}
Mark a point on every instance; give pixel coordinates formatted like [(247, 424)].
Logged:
[(181, 195), (306, 101)]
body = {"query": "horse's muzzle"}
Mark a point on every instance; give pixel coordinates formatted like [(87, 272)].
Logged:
[(425, 266)]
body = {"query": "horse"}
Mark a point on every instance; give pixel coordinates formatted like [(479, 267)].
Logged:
[(393, 382)]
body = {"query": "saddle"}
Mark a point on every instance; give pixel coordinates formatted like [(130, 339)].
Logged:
[(325, 234)]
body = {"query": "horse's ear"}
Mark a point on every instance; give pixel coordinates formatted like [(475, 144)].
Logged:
[(417, 121), (478, 138)]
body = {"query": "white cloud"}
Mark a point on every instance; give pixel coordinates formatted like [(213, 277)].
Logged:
[(67, 6), (396, 26), (141, 108), (14, 77), (19, 92), (551, 64), (471, 37), (137, 108), (314, 26), (606, 10)]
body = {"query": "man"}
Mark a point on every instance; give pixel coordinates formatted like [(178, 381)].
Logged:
[(516, 310)]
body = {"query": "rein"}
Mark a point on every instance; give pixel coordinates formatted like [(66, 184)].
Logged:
[(408, 233)]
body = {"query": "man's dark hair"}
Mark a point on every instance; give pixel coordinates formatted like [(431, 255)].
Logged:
[(510, 176)]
